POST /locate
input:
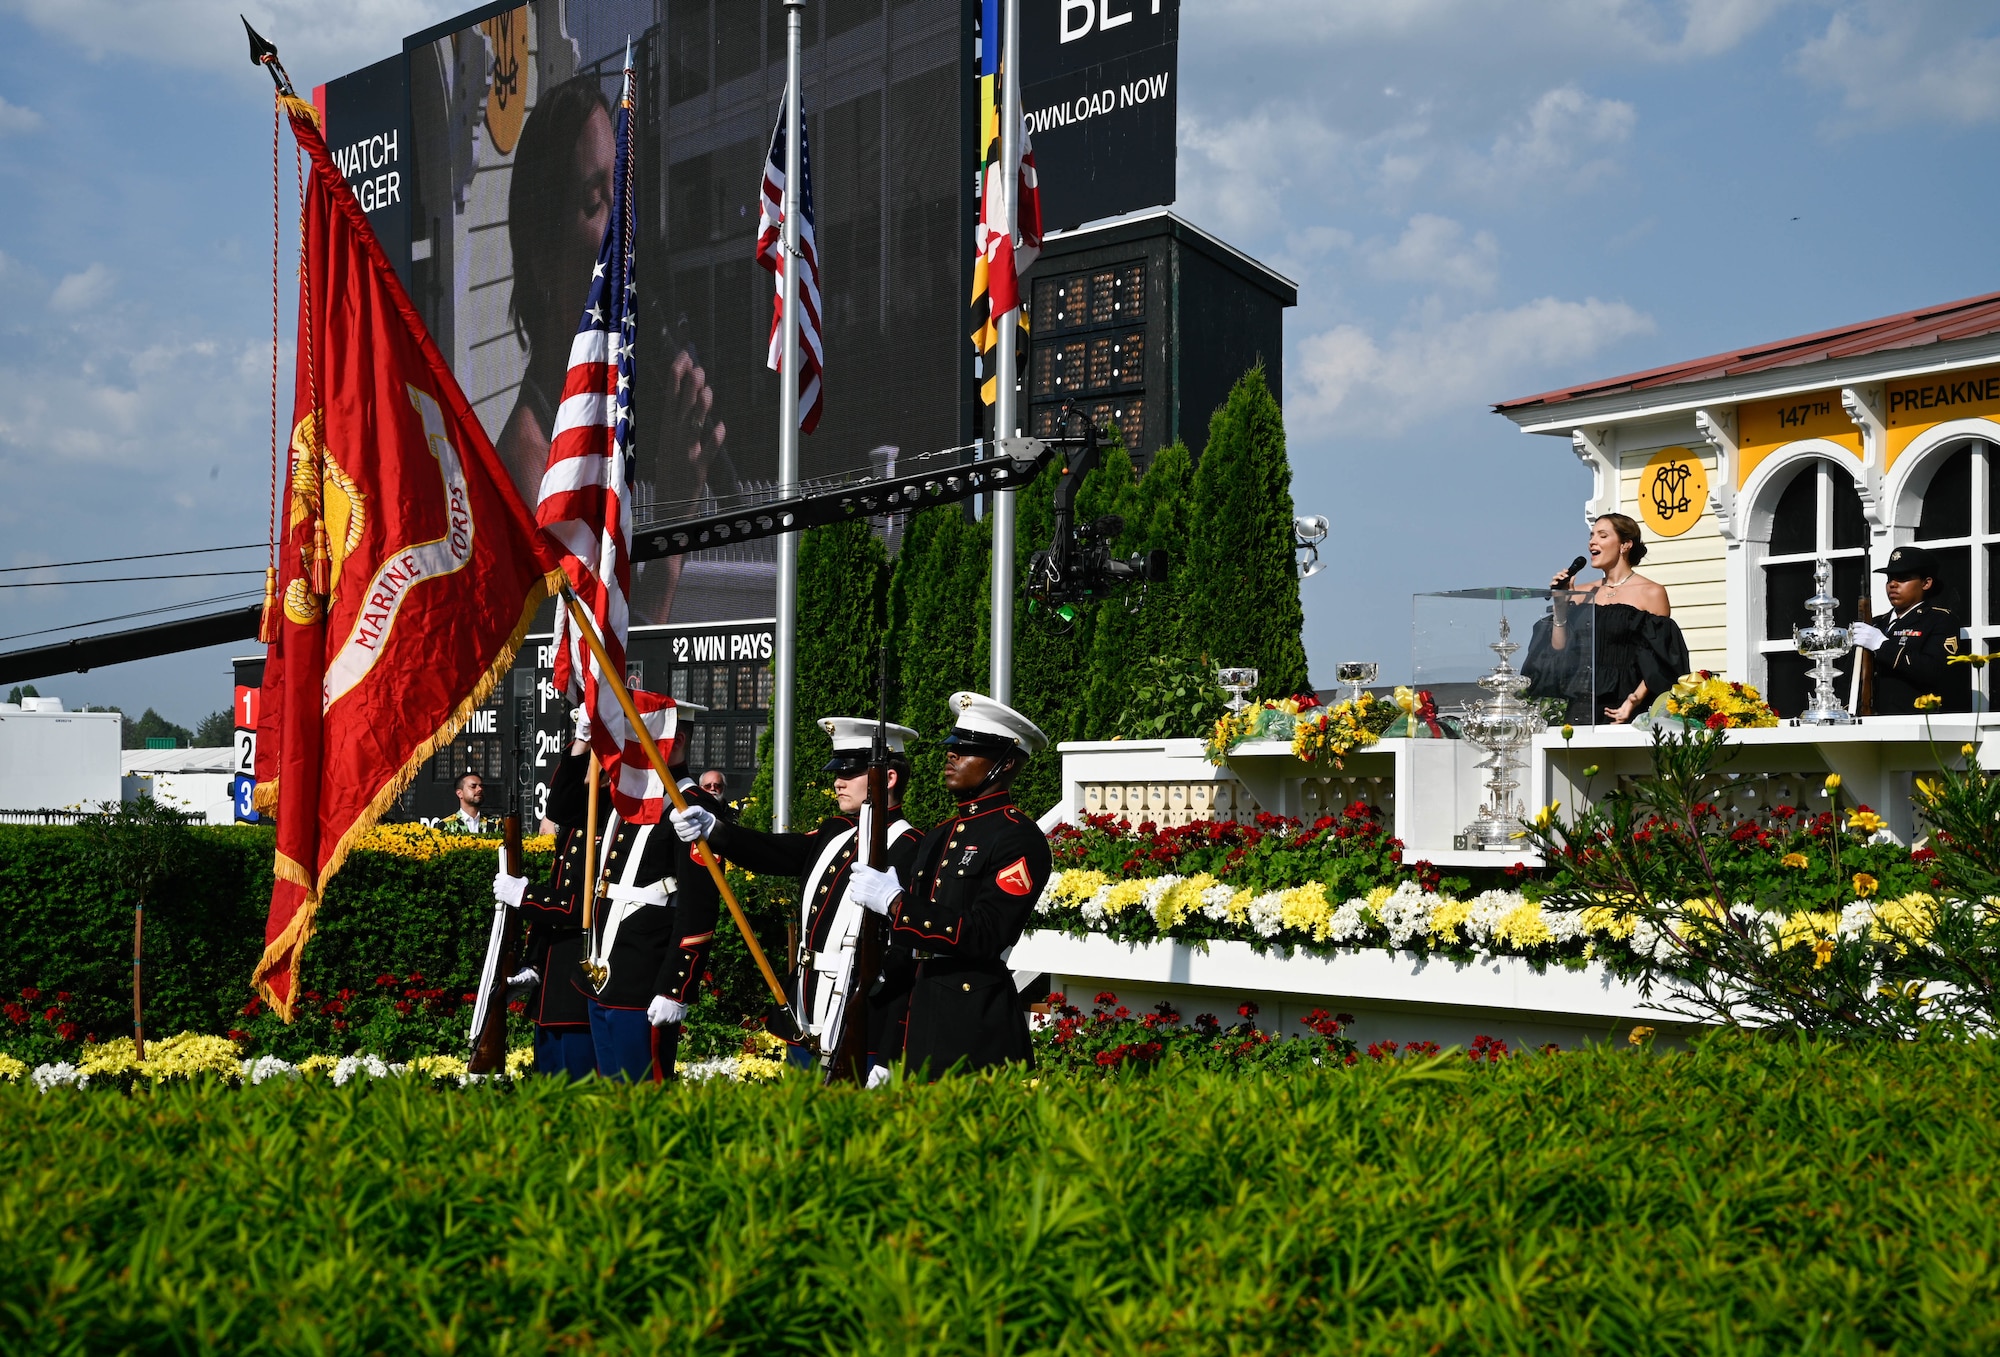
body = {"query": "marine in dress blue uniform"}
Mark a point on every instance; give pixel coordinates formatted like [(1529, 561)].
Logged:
[(829, 923), (1914, 641), (552, 915), (978, 876)]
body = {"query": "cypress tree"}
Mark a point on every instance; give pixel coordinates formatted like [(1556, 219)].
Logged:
[(843, 589), (938, 629), (1244, 607)]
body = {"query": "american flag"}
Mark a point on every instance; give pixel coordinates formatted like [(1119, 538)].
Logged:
[(770, 253), (586, 494)]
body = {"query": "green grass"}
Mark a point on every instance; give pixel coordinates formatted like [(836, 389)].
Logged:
[(1742, 1198)]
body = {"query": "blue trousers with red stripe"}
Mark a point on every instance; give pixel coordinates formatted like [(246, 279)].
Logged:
[(631, 1048)]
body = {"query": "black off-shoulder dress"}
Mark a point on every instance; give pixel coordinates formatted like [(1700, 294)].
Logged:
[(1630, 645)]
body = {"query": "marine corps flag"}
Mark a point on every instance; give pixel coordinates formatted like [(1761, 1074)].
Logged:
[(408, 567)]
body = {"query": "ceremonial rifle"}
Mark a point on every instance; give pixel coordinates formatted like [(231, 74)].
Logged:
[(850, 1045)]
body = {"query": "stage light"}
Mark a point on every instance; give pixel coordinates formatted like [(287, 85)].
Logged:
[(1308, 531)]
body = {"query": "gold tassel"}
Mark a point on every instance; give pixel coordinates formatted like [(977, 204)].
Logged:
[(322, 560), (267, 624)]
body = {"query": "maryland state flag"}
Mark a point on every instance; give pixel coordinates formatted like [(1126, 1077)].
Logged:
[(409, 568)]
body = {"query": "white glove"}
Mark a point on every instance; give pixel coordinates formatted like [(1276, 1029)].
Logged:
[(878, 1075), (581, 716), (1866, 636), (523, 977), (873, 888), (664, 1012), (508, 890), (693, 823)]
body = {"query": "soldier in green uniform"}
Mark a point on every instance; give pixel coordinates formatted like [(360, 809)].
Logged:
[(1912, 644), (978, 877)]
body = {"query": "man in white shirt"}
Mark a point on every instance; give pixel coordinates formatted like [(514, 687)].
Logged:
[(469, 820)]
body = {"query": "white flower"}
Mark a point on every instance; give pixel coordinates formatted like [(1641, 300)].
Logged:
[(268, 1067), (1856, 919), (1267, 914), (60, 1075), (1215, 903), (1093, 909), (701, 1071), (349, 1066), (1406, 914), (1047, 903)]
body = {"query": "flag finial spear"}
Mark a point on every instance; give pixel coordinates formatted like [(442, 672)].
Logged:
[(263, 53)]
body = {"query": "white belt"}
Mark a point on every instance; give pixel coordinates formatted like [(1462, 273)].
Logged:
[(655, 894)]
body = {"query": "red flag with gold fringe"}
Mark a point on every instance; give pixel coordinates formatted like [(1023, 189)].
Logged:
[(409, 567)]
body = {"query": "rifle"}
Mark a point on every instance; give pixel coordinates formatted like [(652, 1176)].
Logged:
[(503, 943), (850, 1048)]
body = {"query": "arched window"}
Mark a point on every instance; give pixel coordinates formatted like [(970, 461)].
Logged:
[(1818, 514), (1960, 524)]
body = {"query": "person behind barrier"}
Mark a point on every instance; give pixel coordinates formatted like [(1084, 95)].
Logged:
[(829, 919), (1607, 648), (978, 876), (1910, 646)]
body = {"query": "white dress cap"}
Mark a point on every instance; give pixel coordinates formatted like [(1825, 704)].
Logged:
[(856, 734), (981, 715)]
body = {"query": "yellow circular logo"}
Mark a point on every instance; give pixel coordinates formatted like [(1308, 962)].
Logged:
[(1673, 491)]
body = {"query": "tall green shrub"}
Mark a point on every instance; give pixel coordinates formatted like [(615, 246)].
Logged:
[(1245, 606), (1139, 631), (938, 619), (843, 588)]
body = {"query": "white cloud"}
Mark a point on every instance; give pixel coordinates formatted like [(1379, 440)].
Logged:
[(1437, 252), (1560, 141), (1906, 61), (318, 39), (15, 119), (78, 291), (1440, 366)]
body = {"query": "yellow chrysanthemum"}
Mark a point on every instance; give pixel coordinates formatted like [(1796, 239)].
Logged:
[(1793, 860), (1865, 885), (1865, 822)]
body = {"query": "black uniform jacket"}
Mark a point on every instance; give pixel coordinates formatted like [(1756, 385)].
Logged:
[(978, 877), (795, 855), (660, 949), (1912, 661), (553, 910)]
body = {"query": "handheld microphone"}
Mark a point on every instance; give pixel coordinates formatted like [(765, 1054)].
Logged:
[(1575, 567)]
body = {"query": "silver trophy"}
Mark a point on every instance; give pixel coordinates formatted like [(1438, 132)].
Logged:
[(1236, 682), (1357, 673), (1503, 725), (1824, 642)]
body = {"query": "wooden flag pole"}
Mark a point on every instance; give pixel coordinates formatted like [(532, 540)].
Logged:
[(590, 847), (588, 631)]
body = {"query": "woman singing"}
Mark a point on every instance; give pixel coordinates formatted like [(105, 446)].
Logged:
[(1622, 622)]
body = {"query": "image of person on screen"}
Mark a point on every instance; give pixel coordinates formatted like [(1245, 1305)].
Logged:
[(557, 207), (1610, 647)]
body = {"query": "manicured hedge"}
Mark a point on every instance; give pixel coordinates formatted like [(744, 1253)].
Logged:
[(68, 927), (1742, 1198)]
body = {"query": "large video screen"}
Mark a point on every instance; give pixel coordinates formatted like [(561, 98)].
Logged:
[(502, 189)]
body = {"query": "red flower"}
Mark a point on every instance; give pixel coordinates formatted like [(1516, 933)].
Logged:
[(54, 1012), (1105, 996), (469, 999), (16, 1014), (238, 1034), (1246, 1009), (67, 1031), (385, 980), (518, 1006), (254, 1007), (340, 1024), (62, 995), (403, 1007), (415, 979), (1716, 721), (333, 1006), (31, 994)]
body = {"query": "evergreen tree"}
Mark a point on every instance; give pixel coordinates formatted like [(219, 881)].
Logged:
[(938, 628), (1244, 608), (1140, 628), (153, 726), (843, 582), (216, 731)]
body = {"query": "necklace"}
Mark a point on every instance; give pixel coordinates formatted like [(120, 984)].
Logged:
[(1611, 588)]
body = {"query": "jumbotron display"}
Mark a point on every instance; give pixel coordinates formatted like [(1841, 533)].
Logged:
[(497, 129)]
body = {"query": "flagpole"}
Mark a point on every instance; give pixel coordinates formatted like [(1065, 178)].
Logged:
[(786, 659), (703, 852), (1000, 682)]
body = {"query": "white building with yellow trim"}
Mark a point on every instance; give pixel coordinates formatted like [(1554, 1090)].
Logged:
[(1746, 467)]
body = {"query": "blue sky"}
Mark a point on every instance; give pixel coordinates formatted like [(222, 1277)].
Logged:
[(1478, 200)]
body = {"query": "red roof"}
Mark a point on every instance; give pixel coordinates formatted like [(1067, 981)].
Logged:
[(1933, 325)]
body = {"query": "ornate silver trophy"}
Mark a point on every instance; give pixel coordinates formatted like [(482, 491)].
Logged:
[(1358, 674), (1824, 642), (1503, 725), (1236, 682)]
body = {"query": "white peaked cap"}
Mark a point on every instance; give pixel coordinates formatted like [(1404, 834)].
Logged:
[(852, 733), (978, 714)]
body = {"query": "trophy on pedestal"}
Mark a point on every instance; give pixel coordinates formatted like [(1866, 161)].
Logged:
[(1503, 725), (1236, 682), (1824, 642), (1358, 674)]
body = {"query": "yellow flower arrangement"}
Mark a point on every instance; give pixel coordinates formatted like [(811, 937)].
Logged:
[(318, 1064), (420, 842), (1702, 697), (520, 1062), (1184, 898), (439, 1066), (181, 1056), (1328, 734), (1079, 885), (12, 1070)]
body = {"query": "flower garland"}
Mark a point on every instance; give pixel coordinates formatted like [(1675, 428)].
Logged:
[(1705, 698), (1318, 733), (1409, 918)]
